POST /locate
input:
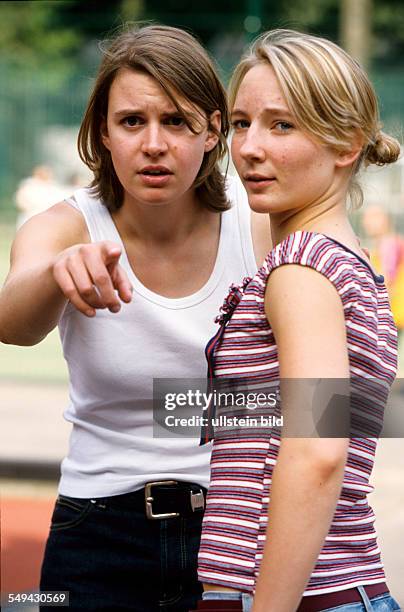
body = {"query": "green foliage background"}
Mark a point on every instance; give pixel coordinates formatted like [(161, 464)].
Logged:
[(49, 54)]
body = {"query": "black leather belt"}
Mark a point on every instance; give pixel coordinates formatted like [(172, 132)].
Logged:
[(162, 499), (169, 499)]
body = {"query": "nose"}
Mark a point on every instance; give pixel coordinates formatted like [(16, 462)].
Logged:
[(251, 146), (154, 142)]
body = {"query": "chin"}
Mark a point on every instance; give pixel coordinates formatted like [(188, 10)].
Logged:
[(156, 203), (149, 202), (154, 197), (259, 202), (259, 207)]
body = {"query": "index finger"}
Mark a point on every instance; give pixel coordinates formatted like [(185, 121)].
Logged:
[(122, 284), (101, 278)]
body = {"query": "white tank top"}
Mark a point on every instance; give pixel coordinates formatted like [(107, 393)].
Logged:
[(113, 358)]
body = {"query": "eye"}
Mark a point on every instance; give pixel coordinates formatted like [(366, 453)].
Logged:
[(240, 124), (283, 126), (175, 121), (132, 120)]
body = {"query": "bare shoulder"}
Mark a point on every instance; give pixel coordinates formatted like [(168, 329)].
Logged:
[(261, 235), (306, 315), (65, 218), (294, 284), (58, 228), (60, 224), (299, 299)]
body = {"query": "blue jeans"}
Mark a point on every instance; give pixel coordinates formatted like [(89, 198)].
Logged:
[(109, 556), (381, 603), (246, 599)]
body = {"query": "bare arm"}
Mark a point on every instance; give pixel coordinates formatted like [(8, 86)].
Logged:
[(307, 318), (31, 301), (52, 261)]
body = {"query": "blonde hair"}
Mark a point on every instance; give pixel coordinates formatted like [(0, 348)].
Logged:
[(184, 70), (328, 93)]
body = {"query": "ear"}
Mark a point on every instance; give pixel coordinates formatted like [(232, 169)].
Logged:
[(104, 134), (215, 121), (349, 156)]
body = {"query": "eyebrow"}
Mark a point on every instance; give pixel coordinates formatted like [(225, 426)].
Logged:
[(125, 112), (268, 110)]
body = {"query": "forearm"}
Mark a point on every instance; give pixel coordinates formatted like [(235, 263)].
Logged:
[(302, 504), (31, 303)]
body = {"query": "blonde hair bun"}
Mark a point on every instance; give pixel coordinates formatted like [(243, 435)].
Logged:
[(384, 150)]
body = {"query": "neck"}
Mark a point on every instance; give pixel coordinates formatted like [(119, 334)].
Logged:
[(325, 217), (166, 225)]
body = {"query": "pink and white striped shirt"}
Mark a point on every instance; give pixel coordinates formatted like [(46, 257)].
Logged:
[(235, 520)]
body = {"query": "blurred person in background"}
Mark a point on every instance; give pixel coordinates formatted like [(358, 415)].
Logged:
[(133, 271), (36, 193), (76, 180), (287, 524), (387, 255)]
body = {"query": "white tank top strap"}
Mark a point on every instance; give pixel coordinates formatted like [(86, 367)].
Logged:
[(238, 195), (72, 201), (97, 216)]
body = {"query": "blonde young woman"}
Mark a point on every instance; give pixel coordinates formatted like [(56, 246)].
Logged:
[(288, 525), (133, 270)]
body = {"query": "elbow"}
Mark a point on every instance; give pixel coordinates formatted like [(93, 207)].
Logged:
[(19, 332), (328, 461), (4, 339), (318, 459), (18, 339)]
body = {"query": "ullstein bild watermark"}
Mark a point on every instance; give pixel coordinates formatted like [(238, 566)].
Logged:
[(223, 421), (357, 407)]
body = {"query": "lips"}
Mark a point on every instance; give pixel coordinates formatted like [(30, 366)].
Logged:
[(155, 175), (255, 181), (155, 170), (257, 178)]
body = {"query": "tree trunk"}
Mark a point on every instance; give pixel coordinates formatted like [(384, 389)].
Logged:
[(355, 29)]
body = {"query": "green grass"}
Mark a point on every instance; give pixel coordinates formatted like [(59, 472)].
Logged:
[(42, 363)]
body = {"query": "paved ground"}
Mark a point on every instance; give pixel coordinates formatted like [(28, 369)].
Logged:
[(33, 430), (32, 424)]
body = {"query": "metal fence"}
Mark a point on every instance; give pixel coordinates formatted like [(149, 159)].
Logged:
[(31, 110)]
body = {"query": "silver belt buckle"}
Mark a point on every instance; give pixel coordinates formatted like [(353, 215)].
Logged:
[(149, 500), (197, 500)]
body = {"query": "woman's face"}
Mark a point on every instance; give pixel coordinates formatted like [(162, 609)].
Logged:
[(155, 155), (281, 166)]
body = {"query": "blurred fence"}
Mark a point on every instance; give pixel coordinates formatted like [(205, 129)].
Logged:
[(31, 110)]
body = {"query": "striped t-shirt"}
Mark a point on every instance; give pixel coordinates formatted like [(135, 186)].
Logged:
[(235, 520)]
